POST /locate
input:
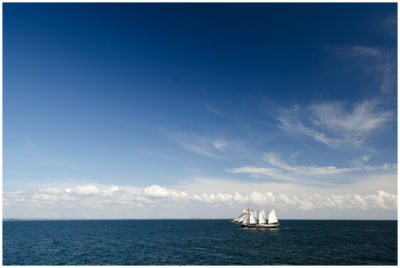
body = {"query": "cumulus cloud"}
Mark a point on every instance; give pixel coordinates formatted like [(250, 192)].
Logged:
[(87, 190), (158, 191), (99, 197)]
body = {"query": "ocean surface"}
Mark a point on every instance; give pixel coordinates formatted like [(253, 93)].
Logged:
[(198, 242)]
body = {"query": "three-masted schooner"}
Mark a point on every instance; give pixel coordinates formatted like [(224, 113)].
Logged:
[(256, 219)]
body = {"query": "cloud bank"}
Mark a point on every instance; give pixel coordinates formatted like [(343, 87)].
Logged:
[(102, 197)]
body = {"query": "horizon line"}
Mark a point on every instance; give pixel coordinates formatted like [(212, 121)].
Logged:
[(127, 219)]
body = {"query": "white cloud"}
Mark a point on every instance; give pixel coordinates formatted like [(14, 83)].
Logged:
[(381, 200), (358, 201), (364, 51), (340, 124), (211, 146), (201, 149), (198, 193), (381, 62), (334, 123), (253, 170), (362, 118), (196, 144), (220, 144), (158, 191), (212, 109), (290, 122), (365, 158), (51, 190), (263, 172), (274, 160), (279, 170), (87, 190), (388, 84)]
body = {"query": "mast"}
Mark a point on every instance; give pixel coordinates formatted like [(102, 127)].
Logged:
[(257, 215)]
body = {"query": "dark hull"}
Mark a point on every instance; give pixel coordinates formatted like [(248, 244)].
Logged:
[(266, 226)]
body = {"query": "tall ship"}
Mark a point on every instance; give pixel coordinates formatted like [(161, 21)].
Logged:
[(257, 219)]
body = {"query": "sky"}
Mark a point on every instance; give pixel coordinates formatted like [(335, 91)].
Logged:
[(130, 111)]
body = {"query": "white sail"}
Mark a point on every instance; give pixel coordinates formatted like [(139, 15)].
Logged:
[(261, 217), (253, 219), (246, 219), (241, 218), (238, 218), (272, 217)]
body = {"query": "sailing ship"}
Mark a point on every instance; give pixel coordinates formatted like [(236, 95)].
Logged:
[(256, 219)]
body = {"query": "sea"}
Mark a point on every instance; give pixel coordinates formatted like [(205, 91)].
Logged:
[(198, 242)]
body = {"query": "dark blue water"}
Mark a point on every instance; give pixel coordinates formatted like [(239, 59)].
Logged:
[(198, 242)]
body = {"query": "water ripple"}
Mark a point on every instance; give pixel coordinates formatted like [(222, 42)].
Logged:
[(198, 242)]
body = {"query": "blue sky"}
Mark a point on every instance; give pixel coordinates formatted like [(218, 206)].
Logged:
[(143, 110)]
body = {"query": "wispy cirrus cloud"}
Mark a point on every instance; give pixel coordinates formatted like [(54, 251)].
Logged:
[(205, 146), (377, 61), (275, 160), (335, 123), (212, 109), (359, 50), (361, 118), (211, 146), (340, 123), (220, 144), (201, 147), (388, 69), (279, 170), (262, 172)]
